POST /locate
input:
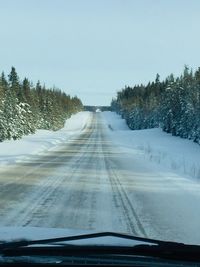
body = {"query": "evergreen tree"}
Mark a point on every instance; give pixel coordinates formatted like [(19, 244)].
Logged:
[(13, 79), (173, 104), (25, 107)]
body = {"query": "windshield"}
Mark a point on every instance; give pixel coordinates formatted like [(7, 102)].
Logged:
[(100, 119)]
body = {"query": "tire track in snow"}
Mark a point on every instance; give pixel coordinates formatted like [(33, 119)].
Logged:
[(123, 202), (68, 185), (121, 199), (43, 193)]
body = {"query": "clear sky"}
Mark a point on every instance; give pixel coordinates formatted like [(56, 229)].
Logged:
[(93, 48)]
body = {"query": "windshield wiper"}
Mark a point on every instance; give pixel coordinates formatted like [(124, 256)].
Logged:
[(57, 247), (22, 243)]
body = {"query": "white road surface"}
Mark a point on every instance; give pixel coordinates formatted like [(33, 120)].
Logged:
[(89, 183)]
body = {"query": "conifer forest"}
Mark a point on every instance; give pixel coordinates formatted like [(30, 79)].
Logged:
[(25, 107), (172, 104)]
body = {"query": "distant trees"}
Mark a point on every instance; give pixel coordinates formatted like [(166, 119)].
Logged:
[(25, 107), (172, 104)]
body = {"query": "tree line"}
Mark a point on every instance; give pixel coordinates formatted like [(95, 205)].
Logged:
[(172, 104), (25, 107)]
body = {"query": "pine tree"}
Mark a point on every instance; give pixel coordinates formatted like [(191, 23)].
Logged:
[(15, 84), (173, 104), (25, 107)]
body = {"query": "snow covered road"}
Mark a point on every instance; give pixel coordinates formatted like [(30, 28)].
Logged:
[(72, 186), (90, 183)]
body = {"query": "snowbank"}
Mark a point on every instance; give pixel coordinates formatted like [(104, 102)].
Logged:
[(180, 155), (14, 151)]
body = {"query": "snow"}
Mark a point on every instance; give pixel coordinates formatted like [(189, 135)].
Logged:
[(19, 150), (114, 179), (179, 155), (160, 174)]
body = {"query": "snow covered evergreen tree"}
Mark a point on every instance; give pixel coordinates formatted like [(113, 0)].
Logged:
[(25, 107), (173, 104)]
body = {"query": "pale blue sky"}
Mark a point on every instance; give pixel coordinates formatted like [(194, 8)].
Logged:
[(93, 48)]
